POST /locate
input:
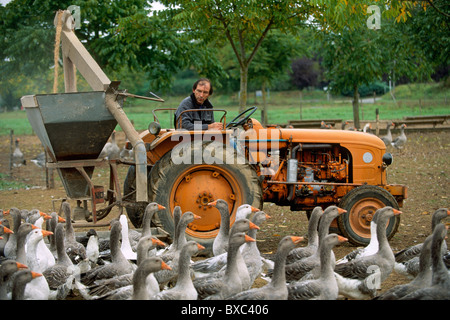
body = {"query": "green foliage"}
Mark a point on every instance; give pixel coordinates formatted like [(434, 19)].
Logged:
[(7, 184)]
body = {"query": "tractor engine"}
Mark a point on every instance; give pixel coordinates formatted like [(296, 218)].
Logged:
[(310, 174)]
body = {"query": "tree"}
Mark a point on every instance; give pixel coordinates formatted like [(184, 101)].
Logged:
[(27, 38), (353, 57), (305, 72), (243, 24)]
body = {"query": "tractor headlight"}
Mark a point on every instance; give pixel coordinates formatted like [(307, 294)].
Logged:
[(387, 158), (154, 128)]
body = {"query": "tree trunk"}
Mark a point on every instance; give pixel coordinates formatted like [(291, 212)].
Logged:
[(356, 107), (264, 108), (243, 89)]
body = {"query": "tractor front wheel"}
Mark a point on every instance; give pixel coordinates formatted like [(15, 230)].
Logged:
[(361, 204)]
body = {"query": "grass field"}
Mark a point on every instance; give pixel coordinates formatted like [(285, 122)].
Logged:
[(410, 100)]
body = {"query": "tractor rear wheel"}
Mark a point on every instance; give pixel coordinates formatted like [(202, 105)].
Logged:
[(193, 184), (361, 204)]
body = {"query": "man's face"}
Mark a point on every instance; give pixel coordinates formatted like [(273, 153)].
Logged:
[(202, 92)]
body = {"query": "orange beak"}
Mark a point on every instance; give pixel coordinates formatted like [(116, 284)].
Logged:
[(158, 242), (200, 247), (296, 239), (21, 266), (7, 230), (160, 207), (396, 212), (164, 266), (255, 209), (253, 226), (46, 233), (212, 203), (249, 239), (340, 210), (342, 239), (61, 219)]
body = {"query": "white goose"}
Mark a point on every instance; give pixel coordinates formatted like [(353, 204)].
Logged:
[(126, 246), (37, 289), (370, 249)]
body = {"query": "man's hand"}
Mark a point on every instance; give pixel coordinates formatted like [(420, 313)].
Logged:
[(215, 126)]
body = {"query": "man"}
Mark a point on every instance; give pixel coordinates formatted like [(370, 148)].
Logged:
[(198, 99)]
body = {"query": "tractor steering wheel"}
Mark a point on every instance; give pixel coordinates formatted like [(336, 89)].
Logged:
[(240, 119)]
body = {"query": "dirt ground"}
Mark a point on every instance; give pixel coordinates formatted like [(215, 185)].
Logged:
[(423, 165)]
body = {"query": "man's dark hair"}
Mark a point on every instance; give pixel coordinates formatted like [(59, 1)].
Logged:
[(201, 81)]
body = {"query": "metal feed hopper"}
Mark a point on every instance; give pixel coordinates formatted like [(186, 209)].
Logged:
[(72, 127)]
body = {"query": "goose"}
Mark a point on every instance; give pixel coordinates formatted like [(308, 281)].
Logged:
[(250, 251), (5, 232), (440, 285), (149, 212), (422, 280), (387, 138), (21, 280), (75, 250), (51, 226), (275, 289), (367, 127), (313, 238), (220, 243), (24, 230), (147, 266), (217, 264), (34, 215), (44, 255), (39, 160), (125, 245), (121, 287), (368, 250), (11, 245), (17, 157), (125, 153), (37, 289), (300, 268), (172, 257), (325, 286), (407, 260), (400, 141), (111, 150), (37, 251), (119, 264), (360, 278), (61, 275), (216, 287), (323, 125), (174, 245), (184, 288), (92, 248), (7, 269)]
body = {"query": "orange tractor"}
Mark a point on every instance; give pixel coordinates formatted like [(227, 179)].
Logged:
[(249, 163), (244, 164)]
